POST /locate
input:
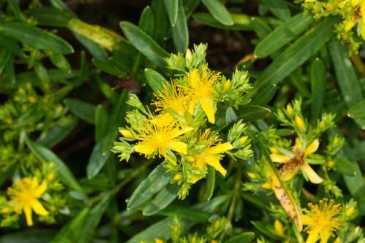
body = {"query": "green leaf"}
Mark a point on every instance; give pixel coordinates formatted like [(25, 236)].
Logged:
[(70, 232), (180, 33), (154, 79), (283, 35), (59, 61), (45, 154), (357, 112), (101, 122), (28, 236), (57, 133), (218, 11), (82, 228), (345, 73), (163, 199), (154, 182), (81, 109), (245, 237), (97, 160), (346, 167), (35, 37), (147, 21), (97, 51), (253, 112), (318, 85), (5, 57), (268, 231), (48, 16), (172, 8), (159, 230), (240, 21), (289, 60), (210, 184), (144, 43), (355, 182)]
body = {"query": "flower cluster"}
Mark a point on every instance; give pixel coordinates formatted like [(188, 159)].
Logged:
[(183, 128), (40, 194), (352, 13)]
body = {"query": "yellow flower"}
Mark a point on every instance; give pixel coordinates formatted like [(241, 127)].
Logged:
[(299, 123), (321, 220), (159, 134), (295, 160), (212, 152), (200, 89), (24, 197), (171, 98), (279, 228)]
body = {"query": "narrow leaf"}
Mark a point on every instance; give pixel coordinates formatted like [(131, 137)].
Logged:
[(172, 8), (318, 85), (218, 11), (144, 43), (293, 57), (35, 37)]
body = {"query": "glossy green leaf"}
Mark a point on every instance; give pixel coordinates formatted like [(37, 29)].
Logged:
[(283, 35), (218, 11), (70, 232), (163, 199), (172, 8), (240, 21), (318, 85), (345, 73), (210, 185), (81, 109), (101, 122), (97, 160), (35, 37), (154, 79), (147, 21), (253, 112), (357, 112), (289, 60), (43, 153), (144, 43), (57, 133), (48, 16), (154, 182), (5, 57), (180, 33), (59, 61)]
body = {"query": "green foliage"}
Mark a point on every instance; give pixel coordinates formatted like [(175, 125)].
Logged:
[(121, 126)]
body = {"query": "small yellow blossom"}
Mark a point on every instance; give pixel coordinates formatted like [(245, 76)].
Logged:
[(201, 91), (24, 197), (321, 220), (211, 154), (299, 123), (171, 98), (295, 160), (279, 228), (159, 134)]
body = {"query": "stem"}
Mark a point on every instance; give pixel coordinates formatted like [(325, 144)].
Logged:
[(236, 193)]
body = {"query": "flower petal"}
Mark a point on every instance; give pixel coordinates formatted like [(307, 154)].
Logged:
[(179, 147), (312, 148), (145, 148), (28, 215), (279, 158), (38, 208), (214, 162), (41, 189), (209, 108), (311, 174), (221, 148)]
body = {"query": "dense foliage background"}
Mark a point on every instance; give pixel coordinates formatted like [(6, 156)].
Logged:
[(68, 70)]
